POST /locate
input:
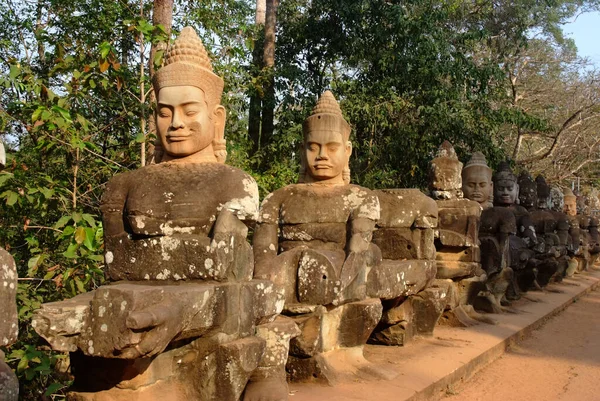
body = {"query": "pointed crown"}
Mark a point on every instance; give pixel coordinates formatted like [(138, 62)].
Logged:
[(447, 150), (504, 172), (526, 179), (478, 160), (543, 188), (327, 116), (186, 63), (568, 193)]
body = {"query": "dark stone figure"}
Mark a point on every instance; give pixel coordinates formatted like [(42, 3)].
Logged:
[(497, 225), (522, 260)]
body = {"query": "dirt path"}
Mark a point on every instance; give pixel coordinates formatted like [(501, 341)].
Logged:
[(560, 361)]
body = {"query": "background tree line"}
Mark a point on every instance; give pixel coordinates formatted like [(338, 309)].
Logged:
[(76, 107)]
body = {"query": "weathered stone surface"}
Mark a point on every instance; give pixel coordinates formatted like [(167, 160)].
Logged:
[(347, 325), (61, 323), (344, 327), (406, 208), (9, 324), (405, 243), (445, 180), (107, 322), (9, 385), (399, 278), (172, 375), (459, 222), (428, 306), (398, 334), (456, 269)]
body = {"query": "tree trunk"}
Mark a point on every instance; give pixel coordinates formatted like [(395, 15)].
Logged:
[(268, 109), (254, 113), (162, 14)]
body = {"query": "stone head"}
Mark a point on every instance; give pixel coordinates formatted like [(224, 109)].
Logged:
[(477, 182), (190, 120), (570, 202), (445, 173), (506, 188), (543, 193), (527, 191), (593, 201), (557, 200), (582, 204), (326, 147)]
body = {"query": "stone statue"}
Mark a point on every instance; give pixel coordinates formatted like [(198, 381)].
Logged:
[(554, 232), (593, 208), (543, 224), (564, 232), (405, 234), (578, 251), (183, 317), (477, 184), (457, 250), (9, 323), (522, 260), (496, 226), (314, 239)]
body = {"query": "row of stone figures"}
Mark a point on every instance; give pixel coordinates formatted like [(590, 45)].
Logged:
[(194, 312)]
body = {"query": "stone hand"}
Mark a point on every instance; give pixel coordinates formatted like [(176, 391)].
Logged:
[(157, 325), (358, 243), (228, 223)]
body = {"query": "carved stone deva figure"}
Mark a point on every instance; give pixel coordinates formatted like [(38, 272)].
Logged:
[(542, 222), (179, 322), (457, 243), (522, 261), (496, 226), (314, 239), (405, 234), (579, 250)]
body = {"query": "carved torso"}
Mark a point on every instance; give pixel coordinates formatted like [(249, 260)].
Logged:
[(309, 214), (170, 198), (158, 222)]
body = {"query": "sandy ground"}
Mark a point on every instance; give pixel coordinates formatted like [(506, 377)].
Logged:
[(560, 361)]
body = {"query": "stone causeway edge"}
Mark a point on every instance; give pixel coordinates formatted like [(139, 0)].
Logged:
[(437, 389)]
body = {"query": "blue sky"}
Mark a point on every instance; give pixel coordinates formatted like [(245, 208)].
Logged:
[(585, 30)]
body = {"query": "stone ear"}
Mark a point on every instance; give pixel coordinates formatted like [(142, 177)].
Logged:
[(348, 149), (219, 143)]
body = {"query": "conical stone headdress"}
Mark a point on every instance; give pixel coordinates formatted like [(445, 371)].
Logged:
[(186, 63), (477, 160), (327, 116), (504, 172), (543, 189), (568, 194)]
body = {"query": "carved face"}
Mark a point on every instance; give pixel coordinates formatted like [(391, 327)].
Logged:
[(527, 196), (445, 174), (556, 200), (570, 205), (477, 184), (184, 123), (326, 155), (543, 202), (506, 192)]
